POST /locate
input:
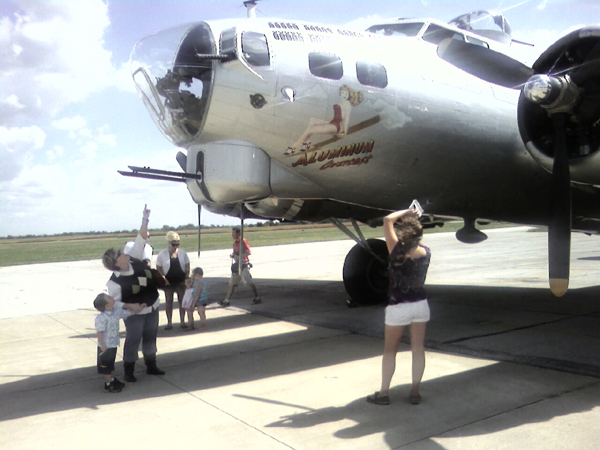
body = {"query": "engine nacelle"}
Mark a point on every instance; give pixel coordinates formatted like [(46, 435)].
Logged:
[(572, 68), (237, 172), (232, 172)]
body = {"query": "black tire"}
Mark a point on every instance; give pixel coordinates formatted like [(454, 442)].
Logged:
[(366, 277)]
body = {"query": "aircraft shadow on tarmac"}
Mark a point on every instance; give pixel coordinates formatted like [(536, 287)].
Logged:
[(524, 325), (460, 400), (495, 383), (456, 401)]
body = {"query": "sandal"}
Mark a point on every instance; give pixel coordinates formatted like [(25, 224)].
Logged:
[(169, 327), (183, 325), (414, 399), (377, 399)]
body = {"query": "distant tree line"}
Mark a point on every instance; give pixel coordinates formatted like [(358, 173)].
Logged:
[(189, 226)]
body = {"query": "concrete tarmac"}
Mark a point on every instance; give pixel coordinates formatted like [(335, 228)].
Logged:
[(508, 365)]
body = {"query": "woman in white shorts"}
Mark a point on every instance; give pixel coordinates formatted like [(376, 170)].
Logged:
[(407, 300)]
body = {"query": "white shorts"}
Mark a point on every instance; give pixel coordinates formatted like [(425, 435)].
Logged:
[(245, 278), (406, 313)]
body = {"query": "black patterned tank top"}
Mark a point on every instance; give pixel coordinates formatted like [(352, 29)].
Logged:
[(407, 276)]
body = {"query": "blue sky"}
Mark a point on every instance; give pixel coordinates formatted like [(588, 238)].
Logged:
[(70, 116)]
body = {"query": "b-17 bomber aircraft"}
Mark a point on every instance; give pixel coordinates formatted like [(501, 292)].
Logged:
[(298, 121)]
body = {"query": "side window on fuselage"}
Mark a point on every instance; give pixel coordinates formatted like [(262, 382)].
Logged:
[(325, 65), (255, 48), (228, 44), (371, 74)]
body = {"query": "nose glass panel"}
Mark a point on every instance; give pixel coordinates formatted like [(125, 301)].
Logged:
[(174, 79)]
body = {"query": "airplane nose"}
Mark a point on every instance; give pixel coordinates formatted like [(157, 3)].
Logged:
[(174, 79)]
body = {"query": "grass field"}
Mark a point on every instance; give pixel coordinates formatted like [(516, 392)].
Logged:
[(33, 250)]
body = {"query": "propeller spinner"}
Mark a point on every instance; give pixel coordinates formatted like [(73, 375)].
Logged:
[(563, 91)]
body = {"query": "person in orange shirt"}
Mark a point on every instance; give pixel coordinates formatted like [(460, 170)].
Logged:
[(238, 273)]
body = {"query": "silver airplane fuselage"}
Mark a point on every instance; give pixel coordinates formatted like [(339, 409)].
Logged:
[(420, 127)]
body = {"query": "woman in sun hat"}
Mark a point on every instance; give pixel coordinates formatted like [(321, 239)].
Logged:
[(174, 264)]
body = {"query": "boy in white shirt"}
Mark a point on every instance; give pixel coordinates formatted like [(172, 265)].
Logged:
[(107, 330)]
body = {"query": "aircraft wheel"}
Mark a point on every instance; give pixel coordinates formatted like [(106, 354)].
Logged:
[(365, 277)]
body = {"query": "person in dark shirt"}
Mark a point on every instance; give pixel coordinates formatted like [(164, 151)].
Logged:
[(174, 264), (132, 281), (407, 300)]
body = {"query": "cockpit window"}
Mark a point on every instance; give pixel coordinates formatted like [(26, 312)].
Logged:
[(255, 48), (371, 74), (436, 34), (397, 29), (482, 20), (325, 65), (484, 23)]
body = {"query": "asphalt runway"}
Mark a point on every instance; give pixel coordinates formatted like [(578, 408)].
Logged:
[(508, 365)]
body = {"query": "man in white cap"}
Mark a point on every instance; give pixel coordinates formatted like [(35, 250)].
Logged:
[(133, 282)]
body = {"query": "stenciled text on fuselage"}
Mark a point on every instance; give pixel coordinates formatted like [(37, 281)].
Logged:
[(349, 153)]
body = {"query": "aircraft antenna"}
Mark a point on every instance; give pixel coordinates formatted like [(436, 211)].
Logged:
[(522, 43), (251, 8)]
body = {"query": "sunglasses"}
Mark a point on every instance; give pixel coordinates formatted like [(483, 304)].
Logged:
[(116, 266), (175, 244)]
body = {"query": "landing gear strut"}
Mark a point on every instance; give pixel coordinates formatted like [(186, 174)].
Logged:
[(365, 269)]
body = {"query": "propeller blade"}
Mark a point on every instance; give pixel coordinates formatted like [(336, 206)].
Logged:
[(489, 65), (559, 229), (590, 67), (199, 228)]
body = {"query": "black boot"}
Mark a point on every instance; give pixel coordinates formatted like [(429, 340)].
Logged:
[(151, 367), (128, 368)]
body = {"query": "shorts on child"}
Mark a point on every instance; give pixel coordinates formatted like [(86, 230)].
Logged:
[(106, 360), (200, 303), (406, 313)]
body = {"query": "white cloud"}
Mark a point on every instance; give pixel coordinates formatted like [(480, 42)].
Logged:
[(53, 55), (89, 141), (85, 133), (34, 202), (93, 197), (70, 123), (56, 152), (17, 145), (88, 151), (12, 101), (122, 79), (32, 189), (107, 139), (542, 5)]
